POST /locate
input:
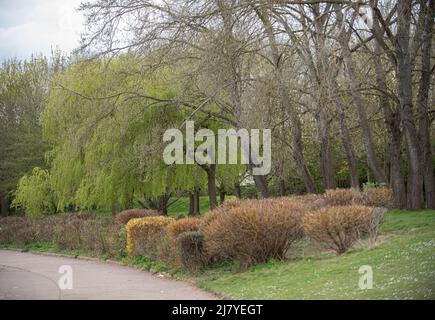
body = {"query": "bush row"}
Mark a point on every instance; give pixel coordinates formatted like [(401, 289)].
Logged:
[(256, 231), (246, 231), (73, 232)]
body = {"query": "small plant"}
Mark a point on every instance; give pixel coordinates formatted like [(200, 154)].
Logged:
[(191, 248), (178, 227), (373, 224)]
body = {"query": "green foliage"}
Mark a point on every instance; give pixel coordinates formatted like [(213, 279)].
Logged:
[(34, 193), (373, 185), (107, 135), (22, 98)]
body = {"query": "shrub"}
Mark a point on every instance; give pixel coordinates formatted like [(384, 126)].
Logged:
[(85, 232), (67, 233), (338, 228), (125, 216), (176, 228), (103, 237), (371, 228), (231, 203), (378, 197), (312, 201), (191, 248), (17, 230), (43, 228), (253, 232), (342, 197), (148, 237)]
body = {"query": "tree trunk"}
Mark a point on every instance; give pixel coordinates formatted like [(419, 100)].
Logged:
[(211, 184), (191, 203), (163, 204), (424, 121), (194, 202), (326, 167), (4, 207), (281, 187), (347, 144), (286, 105), (114, 210), (261, 185), (238, 190), (196, 196), (372, 158), (404, 77), (222, 195), (302, 168), (392, 122)]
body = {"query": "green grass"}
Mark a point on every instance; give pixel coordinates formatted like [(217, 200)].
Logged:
[(403, 268), (181, 205)]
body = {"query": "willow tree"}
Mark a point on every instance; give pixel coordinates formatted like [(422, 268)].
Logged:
[(105, 124)]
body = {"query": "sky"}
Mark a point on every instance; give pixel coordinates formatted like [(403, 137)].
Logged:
[(36, 26)]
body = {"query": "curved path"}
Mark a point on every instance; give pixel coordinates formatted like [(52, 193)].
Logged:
[(36, 276)]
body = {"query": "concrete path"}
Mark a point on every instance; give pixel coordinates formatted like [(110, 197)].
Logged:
[(35, 276)]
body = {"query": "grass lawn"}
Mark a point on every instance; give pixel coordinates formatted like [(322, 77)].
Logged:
[(177, 206), (403, 268), (181, 205)]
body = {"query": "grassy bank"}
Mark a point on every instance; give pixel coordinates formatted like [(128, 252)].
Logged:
[(403, 268)]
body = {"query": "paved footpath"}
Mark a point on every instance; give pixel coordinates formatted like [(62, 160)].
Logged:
[(35, 276)]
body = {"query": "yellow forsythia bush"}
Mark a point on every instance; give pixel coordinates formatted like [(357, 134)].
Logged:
[(148, 237)]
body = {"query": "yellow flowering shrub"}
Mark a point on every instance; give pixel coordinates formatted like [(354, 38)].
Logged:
[(148, 237)]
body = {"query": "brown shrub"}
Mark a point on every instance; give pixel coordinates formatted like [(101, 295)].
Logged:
[(103, 237), (43, 227), (372, 227), (253, 232), (231, 203), (378, 197), (125, 216), (87, 233), (176, 228), (17, 230), (67, 233), (191, 249), (342, 197), (338, 228), (312, 201)]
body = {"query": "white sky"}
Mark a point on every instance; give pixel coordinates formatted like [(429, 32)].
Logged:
[(36, 26)]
